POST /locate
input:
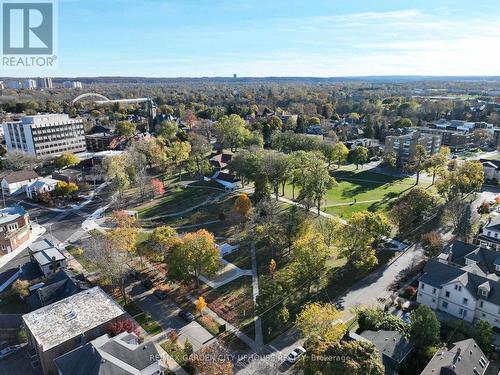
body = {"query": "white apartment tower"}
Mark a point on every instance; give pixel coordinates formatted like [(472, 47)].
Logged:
[(45, 83), (45, 135)]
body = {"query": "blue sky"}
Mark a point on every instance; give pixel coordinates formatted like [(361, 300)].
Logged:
[(324, 38)]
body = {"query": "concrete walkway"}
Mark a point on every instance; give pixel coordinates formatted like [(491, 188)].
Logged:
[(228, 273), (259, 340), (229, 327), (312, 209)]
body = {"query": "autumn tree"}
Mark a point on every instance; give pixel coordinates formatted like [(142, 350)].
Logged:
[(198, 162), (243, 205), (410, 209), (67, 159), (123, 325), (195, 253), (436, 163), (158, 187), (316, 182), (20, 288), (201, 304), (361, 358), (272, 268), (466, 177), (363, 229), (320, 320), (163, 238), (231, 131), (432, 243), (66, 189), (308, 267), (177, 153), (212, 360), (125, 128), (340, 152), (330, 229)]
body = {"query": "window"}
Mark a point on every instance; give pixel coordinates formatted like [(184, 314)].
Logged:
[(423, 286), (465, 301), (489, 233), (445, 304), (433, 290), (481, 304), (458, 287), (447, 294)]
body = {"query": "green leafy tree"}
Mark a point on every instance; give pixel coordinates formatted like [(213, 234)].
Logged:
[(418, 161), (410, 209), (425, 327), (125, 128), (436, 163), (163, 238), (363, 229), (317, 320), (67, 159), (359, 156), (231, 131), (316, 182), (483, 334), (361, 358), (340, 152)]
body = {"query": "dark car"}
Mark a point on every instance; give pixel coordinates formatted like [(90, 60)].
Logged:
[(186, 315), (146, 283), (160, 294)]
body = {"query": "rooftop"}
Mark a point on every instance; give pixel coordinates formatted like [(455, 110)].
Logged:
[(461, 359), (118, 355), (70, 317), (9, 214), (20, 176)]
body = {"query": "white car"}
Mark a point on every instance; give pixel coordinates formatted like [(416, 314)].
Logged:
[(295, 354)]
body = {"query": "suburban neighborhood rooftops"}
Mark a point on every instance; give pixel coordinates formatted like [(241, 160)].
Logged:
[(70, 317), (119, 355), (438, 274), (20, 176), (461, 359), (494, 224), (390, 344), (12, 213)]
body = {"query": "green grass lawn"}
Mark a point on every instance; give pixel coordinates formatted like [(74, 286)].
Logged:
[(371, 191), (176, 200), (150, 325), (78, 255)]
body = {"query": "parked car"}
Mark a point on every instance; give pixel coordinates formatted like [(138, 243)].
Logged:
[(146, 283), (295, 354), (9, 350), (160, 294), (186, 315)]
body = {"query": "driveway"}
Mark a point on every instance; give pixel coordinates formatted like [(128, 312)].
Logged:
[(165, 313)]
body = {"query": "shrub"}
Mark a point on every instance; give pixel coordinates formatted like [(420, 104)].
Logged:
[(122, 325), (377, 319), (409, 292)]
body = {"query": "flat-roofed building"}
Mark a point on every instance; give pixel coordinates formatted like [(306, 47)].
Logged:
[(59, 328), (45, 135), (404, 146)]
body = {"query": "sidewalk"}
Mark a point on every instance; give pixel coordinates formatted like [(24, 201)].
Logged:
[(259, 340)]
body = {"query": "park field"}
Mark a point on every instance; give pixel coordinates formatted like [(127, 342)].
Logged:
[(362, 190)]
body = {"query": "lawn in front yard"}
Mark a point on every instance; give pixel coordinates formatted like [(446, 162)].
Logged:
[(77, 253)]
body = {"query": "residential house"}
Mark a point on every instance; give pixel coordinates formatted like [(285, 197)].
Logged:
[(463, 358), (464, 282), (63, 326), (122, 354), (229, 181), (16, 182), (491, 169), (490, 235), (40, 186), (48, 258), (221, 160), (15, 228), (394, 349), (55, 288)]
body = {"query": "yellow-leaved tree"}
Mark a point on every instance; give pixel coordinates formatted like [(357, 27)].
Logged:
[(320, 321)]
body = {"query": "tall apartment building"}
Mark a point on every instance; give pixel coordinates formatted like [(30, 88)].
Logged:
[(45, 83), (15, 85), (72, 84), (45, 135), (29, 84), (404, 146), (2, 86)]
